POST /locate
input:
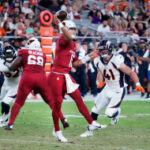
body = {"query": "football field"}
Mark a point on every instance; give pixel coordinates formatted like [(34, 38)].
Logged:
[(33, 129)]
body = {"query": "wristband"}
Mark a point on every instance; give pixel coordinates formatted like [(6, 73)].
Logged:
[(137, 84), (85, 59), (60, 25)]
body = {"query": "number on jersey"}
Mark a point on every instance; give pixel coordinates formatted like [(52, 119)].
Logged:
[(109, 74), (35, 60)]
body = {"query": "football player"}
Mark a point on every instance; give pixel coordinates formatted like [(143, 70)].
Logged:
[(10, 85), (32, 59), (1, 74), (60, 80), (111, 67)]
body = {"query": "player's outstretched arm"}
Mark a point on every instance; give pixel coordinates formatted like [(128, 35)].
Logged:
[(65, 31), (124, 68), (16, 64), (85, 59)]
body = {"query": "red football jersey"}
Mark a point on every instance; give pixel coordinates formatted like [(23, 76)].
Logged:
[(64, 55), (32, 60)]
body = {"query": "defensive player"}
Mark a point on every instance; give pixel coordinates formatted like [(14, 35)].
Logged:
[(32, 59), (60, 80), (112, 68), (10, 85)]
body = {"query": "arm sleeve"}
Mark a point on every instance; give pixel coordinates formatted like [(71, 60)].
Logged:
[(119, 59)]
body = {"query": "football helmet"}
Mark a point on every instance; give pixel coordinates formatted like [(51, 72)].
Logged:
[(9, 53), (69, 24), (33, 43), (105, 48)]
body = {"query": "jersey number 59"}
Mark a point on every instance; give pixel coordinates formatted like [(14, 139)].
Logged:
[(33, 60)]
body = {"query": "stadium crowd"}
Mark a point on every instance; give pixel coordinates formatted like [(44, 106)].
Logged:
[(125, 23)]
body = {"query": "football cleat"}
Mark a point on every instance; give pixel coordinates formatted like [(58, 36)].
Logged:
[(9, 127), (59, 136), (65, 123), (95, 125), (4, 120), (87, 134), (115, 119), (4, 123)]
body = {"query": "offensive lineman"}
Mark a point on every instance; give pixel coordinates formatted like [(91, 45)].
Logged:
[(32, 59), (112, 68), (10, 85)]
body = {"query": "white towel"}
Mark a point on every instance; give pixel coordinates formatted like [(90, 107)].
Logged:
[(71, 87)]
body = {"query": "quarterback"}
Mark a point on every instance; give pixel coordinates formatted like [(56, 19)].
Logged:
[(60, 80)]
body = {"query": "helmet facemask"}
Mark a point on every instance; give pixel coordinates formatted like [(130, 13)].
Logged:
[(105, 48), (9, 55)]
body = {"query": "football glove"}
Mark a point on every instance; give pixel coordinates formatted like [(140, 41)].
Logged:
[(101, 84), (140, 88)]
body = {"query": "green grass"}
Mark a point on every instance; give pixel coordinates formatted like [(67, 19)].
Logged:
[(33, 129)]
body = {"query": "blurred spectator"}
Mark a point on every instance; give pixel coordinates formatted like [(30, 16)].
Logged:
[(84, 32), (7, 29), (117, 13), (25, 8), (123, 4), (119, 26), (54, 7), (69, 12), (97, 17), (111, 24), (79, 74), (92, 11), (143, 66), (125, 12), (92, 73), (103, 28), (76, 12), (107, 12), (132, 26), (135, 37), (128, 56), (141, 29)]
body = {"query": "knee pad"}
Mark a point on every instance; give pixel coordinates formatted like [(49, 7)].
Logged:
[(112, 112), (95, 109)]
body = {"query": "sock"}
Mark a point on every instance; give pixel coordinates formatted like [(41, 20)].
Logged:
[(94, 115), (14, 112), (148, 93), (5, 108)]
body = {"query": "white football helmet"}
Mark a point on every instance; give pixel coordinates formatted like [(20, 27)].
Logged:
[(33, 43), (69, 24)]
